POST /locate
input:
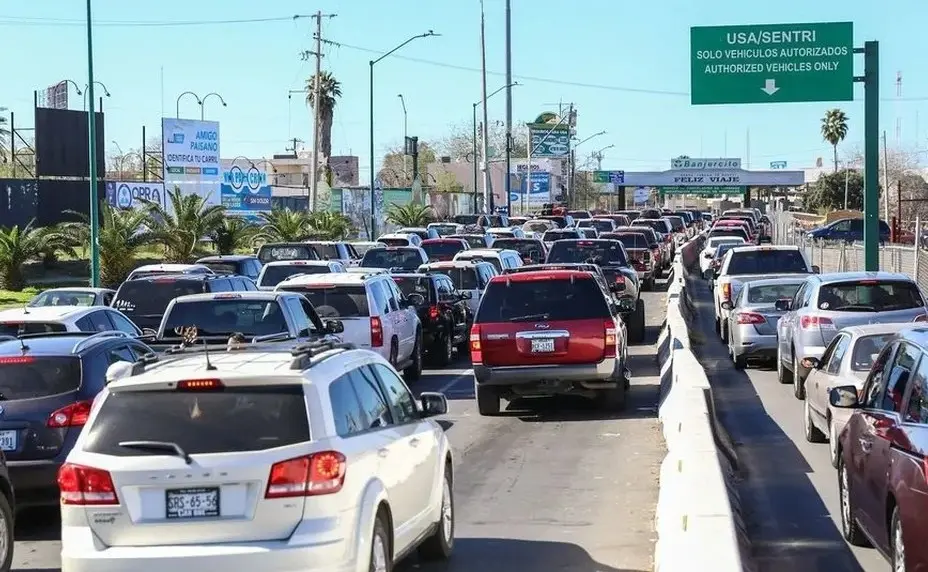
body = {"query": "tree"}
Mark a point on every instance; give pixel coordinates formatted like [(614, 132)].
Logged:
[(19, 245), (834, 130), (327, 225), (284, 225), (827, 193), (447, 182), (410, 215), (393, 171), (459, 145), (181, 231), (233, 234), (329, 91)]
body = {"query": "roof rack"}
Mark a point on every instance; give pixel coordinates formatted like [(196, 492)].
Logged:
[(99, 336), (304, 354)]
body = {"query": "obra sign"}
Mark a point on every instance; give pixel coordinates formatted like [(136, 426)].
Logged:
[(135, 194)]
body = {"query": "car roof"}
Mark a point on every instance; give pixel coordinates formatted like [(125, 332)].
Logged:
[(875, 329), (256, 295), (454, 264), (764, 248), (774, 282), (300, 263), (169, 267), (46, 313), (441, 240), (59, 344), (542, 274), (86, 289), (478, 252), (337, 278), (178, 276), (226, 258), (836, 277)]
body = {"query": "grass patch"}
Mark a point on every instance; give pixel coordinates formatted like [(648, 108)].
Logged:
[(8, 298)]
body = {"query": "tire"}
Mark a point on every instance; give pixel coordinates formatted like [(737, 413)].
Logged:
[(718, 326), (783, 375), (740, 362), (896, 537), (648, 285), (834, 443), (723, 330), (487, 400), (381, 554), (414, 371), (850, 530), (6, 528), (813, 434), (442, 352), (439, 545), (799, 388)]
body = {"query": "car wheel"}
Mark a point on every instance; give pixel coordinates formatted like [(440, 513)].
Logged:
[(636, 325), (813, 434), (381, 560), (799, 389), (6, 534), (849, 527), (718, 326), (898, 547), (414, 371), (439, 545), (723, 330), (783, 375), (834, 442), (487, 400), (648, 285), (443, 351)]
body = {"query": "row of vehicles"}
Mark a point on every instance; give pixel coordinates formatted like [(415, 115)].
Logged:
[(852, 346)]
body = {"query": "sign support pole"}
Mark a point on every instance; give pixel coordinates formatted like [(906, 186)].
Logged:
[(871, 83), (92, 131)]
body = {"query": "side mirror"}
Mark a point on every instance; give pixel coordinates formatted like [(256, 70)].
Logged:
[(844, 397), (811, 363), (816, 269), (726, 305), (334, 326), (783, 305), (415, 299), (432, 404), (118, 370), (467, 295)]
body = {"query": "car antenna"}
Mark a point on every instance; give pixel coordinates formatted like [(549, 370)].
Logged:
[(22, 345), (209, 366), (26, 308)]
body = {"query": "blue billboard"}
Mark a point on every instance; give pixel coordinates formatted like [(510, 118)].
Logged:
[(244, 191), (539, 192)]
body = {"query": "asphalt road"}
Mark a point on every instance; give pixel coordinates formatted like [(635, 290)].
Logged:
[(788, 487), (552, 485)]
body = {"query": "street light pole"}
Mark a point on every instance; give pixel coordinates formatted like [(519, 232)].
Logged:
[(487, 190), (203, 104), (405, 134), (509, 85), (106, 92), (181, 96), (475, 156), (92, 131), (373, 173)]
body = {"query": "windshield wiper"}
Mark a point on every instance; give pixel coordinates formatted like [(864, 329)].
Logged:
[(158, 446), (529, 317)]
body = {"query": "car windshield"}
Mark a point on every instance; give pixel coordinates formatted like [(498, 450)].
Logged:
[(717, 240), (560, 221), (728, 231), (407, 259), (331, 301), (483, 258), (722, 249), (631, 240), (601, 225), (445, 229), (869, 296), (867, 349), (362, 248), (394, 241), (28, 377), (269, 253), (18, 328), (528, 249), (63, 298), (588, 251), (274, 275), (415, 285), (463, 278), (536, 226), (770, 293), (676, 223), (467, 219), (474, 240), (543, 299), (442, 250), (767, 261), (151, 297), (199, 422), (656, 225), (221, 317)]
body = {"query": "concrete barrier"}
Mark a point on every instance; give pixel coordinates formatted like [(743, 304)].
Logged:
[(698, 513)]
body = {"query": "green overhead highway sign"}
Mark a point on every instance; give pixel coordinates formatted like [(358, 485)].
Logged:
[(777, 63)]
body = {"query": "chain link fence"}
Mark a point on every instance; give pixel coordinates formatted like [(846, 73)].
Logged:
[(839, 256)]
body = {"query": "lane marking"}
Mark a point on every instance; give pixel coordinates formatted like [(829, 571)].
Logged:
[(455, 381)]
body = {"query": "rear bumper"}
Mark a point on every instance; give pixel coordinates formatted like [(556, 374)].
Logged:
[(604, 371), (753, 345), (35, 482)]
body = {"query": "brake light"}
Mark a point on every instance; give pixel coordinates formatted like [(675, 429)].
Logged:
[(609, 338), (73, 415), (434, 312), (751, 318), (809, 322), (376, 332), (726, 291), (619, 279), (199, 384), (317, 474), (476, 350), (16, 359), (81, 485)]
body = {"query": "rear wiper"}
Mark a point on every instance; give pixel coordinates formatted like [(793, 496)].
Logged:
[(529, 317), (158, 446)]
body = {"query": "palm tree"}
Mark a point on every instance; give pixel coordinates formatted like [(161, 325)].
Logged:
[(181, 228), (329, 92), (233, 234), (19, 245), (834, 130), (123, 233), (329, 226), (284, 225), (409, 215)]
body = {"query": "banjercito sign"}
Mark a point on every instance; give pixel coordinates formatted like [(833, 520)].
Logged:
[(688, 163)]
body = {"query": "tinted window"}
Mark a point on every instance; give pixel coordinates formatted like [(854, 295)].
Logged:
[(723, 249), (269, 253), (444, 250), (28, 377), (560, 221), (335, 301), (151, 297), (200, 421), (223, 267), (553, 235), (467, 219), (543, 299), (474, 240), (64, 298), (869, 296), (492, 260), (13, 328), (715, 241), (346, 409), (729, 231), (656, 225), (592, 252), (369, 393), (770, 293), (122, 324), (917, 409), (410, 285), (463, 278), (837, 355), (535, 226), (407, 259), (400, 399), (445, 230), (274, 275), (631, 240), (676, 223), (326, 251), (527, 249), (903, 366), (767, 262), (224, 317), (867, 349)]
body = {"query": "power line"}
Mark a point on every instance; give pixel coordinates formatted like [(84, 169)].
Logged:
[(51, 22)]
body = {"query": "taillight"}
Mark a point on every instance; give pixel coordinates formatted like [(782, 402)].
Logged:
[(726, 291), (317, 474), (434, 312), (81, 485), (750, 318), (620, 279), (809, 322), (73, 415), (609, 338), (199, 384), (476, 350), (376, 332)]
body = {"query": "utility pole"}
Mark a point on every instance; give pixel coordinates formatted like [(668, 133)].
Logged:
[(508, 179), (487, 191), (317, 85), (293, 143)]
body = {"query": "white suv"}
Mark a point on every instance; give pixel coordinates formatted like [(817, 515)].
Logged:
[(272, 459), (273, 273), (374, 311)]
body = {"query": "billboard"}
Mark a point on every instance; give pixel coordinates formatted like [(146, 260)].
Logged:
[(191, 157), (62, 143), (539, 191), (56, 96), (244, 190), (134, 194)]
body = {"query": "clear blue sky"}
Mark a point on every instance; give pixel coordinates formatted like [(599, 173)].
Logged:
[(584, 52)]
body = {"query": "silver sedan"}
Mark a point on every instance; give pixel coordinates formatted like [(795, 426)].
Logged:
[(752, 319)]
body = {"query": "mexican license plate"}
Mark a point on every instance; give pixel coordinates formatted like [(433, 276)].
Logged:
[(542, 346), (8, 440), (192, 503)]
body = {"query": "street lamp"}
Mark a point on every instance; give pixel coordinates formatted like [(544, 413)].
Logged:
[(203, 103), (475, 105), (77, 88), (405, 128), (373, 173), (106, 92), (181, 96), (92, 132)]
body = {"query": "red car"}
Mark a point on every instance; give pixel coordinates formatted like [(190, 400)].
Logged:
[(443, 249)]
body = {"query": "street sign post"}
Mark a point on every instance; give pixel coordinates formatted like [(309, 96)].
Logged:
[(776, 63)]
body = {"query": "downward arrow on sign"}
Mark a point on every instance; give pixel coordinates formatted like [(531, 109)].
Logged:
[(770, 87)]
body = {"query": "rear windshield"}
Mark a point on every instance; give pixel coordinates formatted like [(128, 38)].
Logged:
[(867, 350), (869, 296), (631, 240), (730, 231), (223, 267), (770, 293), (467, 219), (445, 230), (14, 328), (560, 221), (767, 262), (269, 253), (383, 258), (224, 317), (553, 235), (335, 301), (361, 248), (543, 299), (415, 285), (445, 250), (474, 240), (656, 225), (274, 275), (29, 378), (394, 241), (717, 240), (226, 421), (326, 251), (527, 249), (590, 252), (721, 249), (151, 297), (483, 258), (463, 278), (535, 226), (64, 298), (601, 225), (676, 223)]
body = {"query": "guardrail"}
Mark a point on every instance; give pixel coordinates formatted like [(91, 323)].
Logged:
[(698, 517)]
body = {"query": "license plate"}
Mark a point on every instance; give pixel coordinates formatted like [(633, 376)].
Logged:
[(8, 440), (192, 503), (542, 346)]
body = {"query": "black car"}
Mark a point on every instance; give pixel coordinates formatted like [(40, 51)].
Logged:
[(144, 300), (395, 258), (48, 383), (238, 264), (442, 311)]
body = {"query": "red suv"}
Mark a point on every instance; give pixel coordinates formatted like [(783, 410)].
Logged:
[(545, 333), (443, 249)]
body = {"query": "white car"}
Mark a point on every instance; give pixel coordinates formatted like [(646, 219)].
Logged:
[(273, 273), (73, 296), (315, 460), (55, 319), (705, 257), (373, 310), (500, 258), (159, 269), (398, 239)]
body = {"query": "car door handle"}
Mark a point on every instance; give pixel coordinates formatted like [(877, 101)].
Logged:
[(383, 452), (865, 445), (414, 442)]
